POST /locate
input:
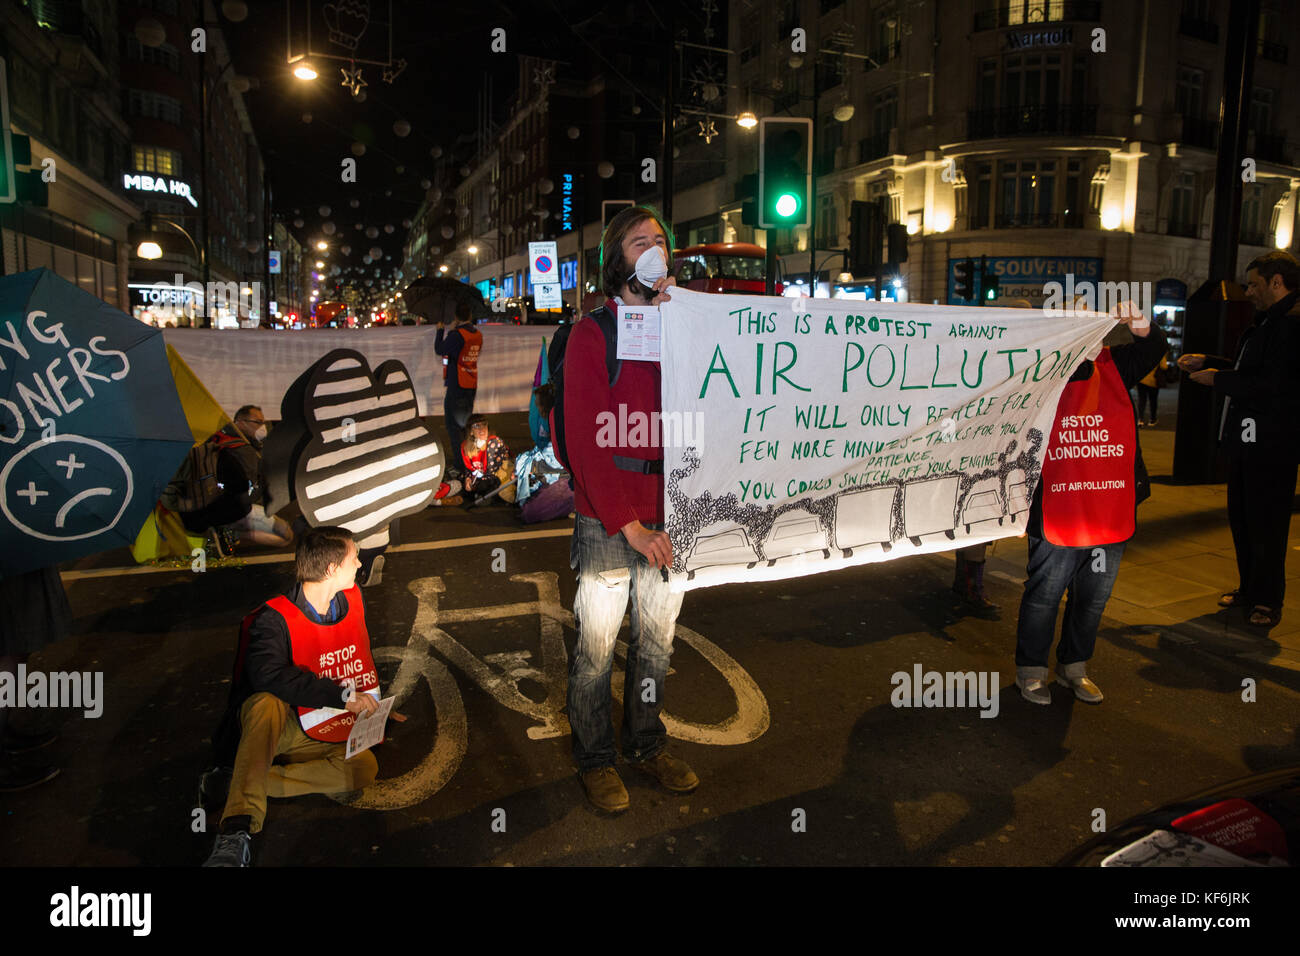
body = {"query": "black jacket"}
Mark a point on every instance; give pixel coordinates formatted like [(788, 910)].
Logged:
[(1263, 386), (1134, 361), (268, 667)]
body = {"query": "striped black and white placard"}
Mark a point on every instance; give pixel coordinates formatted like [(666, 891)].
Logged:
[(371, 458)]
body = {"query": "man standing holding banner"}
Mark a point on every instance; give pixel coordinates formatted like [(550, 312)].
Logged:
[(1084, 511), (619, 548)]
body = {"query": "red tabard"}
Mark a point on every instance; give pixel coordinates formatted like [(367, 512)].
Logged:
[(467, 359), (1088, 482), (337, 651)]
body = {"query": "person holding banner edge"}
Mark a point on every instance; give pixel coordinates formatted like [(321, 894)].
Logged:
[(1260, 433), (619, 548), (1084, 510)]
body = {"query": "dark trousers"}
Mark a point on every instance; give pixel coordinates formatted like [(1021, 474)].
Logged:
[(1261, 489), (1147, 395), (457, 407), (1087, 576)]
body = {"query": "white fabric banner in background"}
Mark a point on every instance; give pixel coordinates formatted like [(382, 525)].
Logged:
[(807, 435), (256, 366)]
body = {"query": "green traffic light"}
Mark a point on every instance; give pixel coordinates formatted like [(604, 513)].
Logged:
[(991, 294), (787, 204)]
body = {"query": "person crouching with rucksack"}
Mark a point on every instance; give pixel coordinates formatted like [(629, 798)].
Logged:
[(1084, 511), (619, 546), (288, 698)]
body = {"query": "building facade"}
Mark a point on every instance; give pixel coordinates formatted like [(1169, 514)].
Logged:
[(1054, 137), (62, 75), (164, 80)]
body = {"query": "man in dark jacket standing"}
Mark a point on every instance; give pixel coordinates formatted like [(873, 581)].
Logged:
[(460, 350), (619, 547), (302, 671), (1260, 431), (1084, 512)]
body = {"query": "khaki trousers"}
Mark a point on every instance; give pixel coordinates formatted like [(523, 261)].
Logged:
[(270, 730)]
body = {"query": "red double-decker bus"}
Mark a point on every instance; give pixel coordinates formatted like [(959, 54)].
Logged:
[(328, 312), (737, 267)]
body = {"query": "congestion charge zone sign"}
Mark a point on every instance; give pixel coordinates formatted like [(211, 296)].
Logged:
[(545, 274), (1023, 277)]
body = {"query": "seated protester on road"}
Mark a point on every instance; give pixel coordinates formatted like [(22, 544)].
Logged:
[(286, 700), (485, 459), (256, 527), (1084, 511), (240, 512)]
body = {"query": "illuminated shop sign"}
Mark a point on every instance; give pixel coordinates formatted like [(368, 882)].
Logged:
[(158, 184)]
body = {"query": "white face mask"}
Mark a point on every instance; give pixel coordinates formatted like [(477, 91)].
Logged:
[(260, 434), (651, 266)]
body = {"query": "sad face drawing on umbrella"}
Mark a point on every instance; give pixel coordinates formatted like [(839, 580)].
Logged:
[(65, 488)]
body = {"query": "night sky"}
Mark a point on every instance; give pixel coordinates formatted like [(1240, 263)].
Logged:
[(446, 47)]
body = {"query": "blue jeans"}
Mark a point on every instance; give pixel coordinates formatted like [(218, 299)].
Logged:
[(598, 613), (1087, 576)]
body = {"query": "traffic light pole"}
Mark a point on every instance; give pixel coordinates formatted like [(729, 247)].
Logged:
[(769, 270), (666, 173), (812, 190)]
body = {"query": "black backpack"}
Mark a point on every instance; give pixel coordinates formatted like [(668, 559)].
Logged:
[(555, 363)]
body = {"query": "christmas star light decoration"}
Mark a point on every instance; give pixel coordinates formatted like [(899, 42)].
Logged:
[(708, 130), (352, 79), (392, 72), (544, 75)]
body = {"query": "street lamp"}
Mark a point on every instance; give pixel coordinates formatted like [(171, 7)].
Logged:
[(305, 71), (148, 249), (746, 120)]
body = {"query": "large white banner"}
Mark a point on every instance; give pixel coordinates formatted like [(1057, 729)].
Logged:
[(807, 435), (256, 366)]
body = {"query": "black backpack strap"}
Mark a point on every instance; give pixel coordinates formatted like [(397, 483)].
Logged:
[(609, 326)]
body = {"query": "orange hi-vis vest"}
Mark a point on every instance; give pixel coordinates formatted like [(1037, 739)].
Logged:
[(339, 651), (1089, 493), (467, 360)]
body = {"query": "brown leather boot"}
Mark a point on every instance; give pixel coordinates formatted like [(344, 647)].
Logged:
[(605, 790), (672, 773)]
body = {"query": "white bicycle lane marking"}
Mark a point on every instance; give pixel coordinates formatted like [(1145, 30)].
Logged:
[(750, 720)]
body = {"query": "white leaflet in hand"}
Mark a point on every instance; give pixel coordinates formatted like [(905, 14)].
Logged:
[(638, 333), (368, 731)]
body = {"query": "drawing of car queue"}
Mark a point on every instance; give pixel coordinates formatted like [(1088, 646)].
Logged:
[(864, 518)]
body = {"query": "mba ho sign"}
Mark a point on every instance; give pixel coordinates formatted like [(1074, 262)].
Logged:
[(143, 182)]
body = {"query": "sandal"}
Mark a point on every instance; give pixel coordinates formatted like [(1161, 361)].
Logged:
[(1266, 617), (1230, 599)]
